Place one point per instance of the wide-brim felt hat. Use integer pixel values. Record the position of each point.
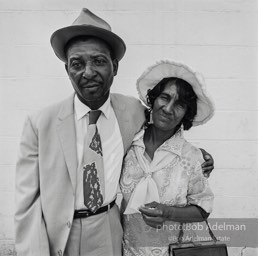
(168, 68)
(87, 24)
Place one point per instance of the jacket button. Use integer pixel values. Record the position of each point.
(69, 224)
(60, 252)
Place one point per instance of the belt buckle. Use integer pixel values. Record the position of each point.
(108, 207)
(85, 213)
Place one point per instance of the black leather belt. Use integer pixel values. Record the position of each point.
(87, 213)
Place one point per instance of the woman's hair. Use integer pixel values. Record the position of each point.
(186, 97)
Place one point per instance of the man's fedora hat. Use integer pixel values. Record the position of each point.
(87, 24)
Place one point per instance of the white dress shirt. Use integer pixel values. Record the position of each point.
(112, 147)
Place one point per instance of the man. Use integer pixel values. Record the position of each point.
(65, 199)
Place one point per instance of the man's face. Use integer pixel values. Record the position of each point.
(91, 69)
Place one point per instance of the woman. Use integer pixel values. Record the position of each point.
(162, 181)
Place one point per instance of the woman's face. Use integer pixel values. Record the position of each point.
(167, 110)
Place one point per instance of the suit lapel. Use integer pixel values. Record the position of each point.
(67, 135)
(123, 120)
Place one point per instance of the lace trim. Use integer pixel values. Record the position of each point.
(168, 170)
(128, 182)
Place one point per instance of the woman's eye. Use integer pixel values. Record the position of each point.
(181, 105)
(163, 97)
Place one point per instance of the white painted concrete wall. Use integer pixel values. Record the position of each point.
(216, 37)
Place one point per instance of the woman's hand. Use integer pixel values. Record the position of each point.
(153, 214)
(208, 165)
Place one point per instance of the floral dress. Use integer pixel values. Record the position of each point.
(173, 177)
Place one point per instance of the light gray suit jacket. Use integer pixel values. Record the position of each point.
(46, 173)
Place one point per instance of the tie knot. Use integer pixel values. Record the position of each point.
(94, 116)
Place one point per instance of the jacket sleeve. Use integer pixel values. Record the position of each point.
(30, 229)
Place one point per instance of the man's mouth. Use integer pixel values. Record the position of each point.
(90, 85)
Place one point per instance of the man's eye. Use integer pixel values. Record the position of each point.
(100, 61)
(76, 64)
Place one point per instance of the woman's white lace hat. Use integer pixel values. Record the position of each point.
(167, 68)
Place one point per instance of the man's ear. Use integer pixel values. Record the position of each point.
(66, 68)
(115, 66)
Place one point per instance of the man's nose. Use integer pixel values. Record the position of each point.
(88, 71)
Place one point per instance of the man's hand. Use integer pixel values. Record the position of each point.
(208, 165)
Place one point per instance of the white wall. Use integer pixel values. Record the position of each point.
(218, 38)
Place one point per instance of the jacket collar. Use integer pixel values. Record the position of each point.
(67, 133)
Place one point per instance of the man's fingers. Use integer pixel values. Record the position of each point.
(207, 163)
(207, 157)
(206, 175)
(207, 171)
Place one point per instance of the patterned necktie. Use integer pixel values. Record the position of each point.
(93, 170)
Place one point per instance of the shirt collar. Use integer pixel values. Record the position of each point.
(81, 109)
(173, 145)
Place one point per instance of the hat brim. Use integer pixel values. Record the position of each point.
(167, 68)
(60, 38)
